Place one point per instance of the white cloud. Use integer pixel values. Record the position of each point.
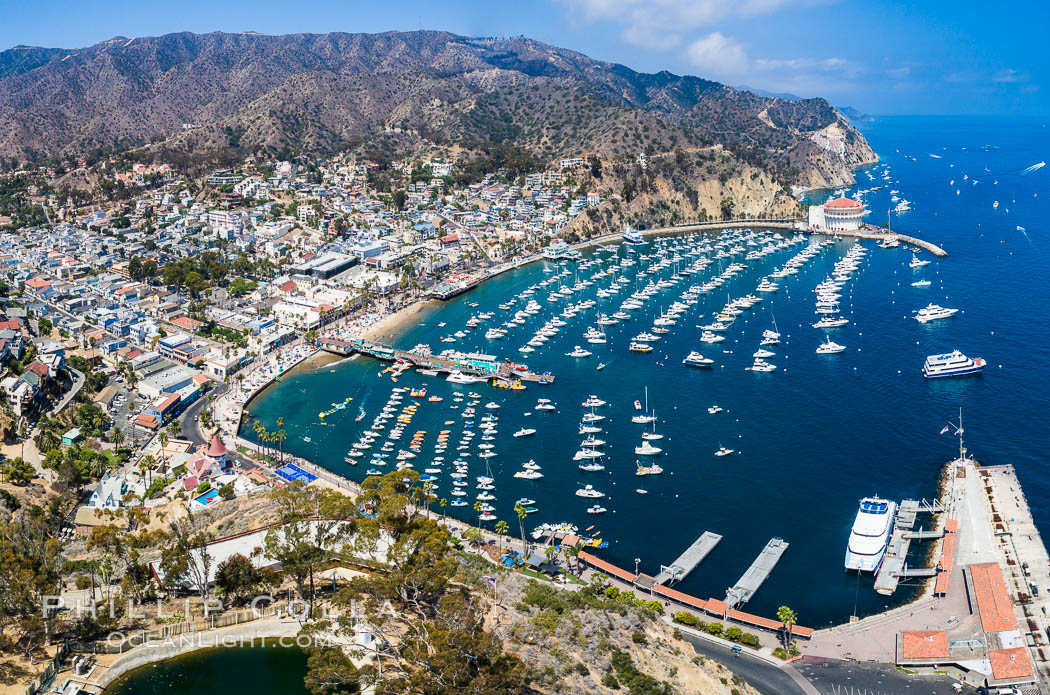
(662, 23)
(719, 56)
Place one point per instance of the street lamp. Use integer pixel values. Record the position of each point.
(636, 561)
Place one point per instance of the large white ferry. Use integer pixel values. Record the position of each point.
(632, 236)
(870, 534)
(953, 363)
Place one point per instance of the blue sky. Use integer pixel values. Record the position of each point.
(881, 56)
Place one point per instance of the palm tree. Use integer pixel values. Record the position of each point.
(519, 509)
(146, 464)
(175, 427)
(788, 617)
(281, 435)
(501, 529)
(47, 440)
(443, 502)
(477, 508)
(163, 439)
(117, 436)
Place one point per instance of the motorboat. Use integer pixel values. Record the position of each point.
(589, 491)
(579, 352)
(830, 348)
(525, 432)
(596, 509)
(722, 451)
(647, 449)
(640, 347)
(695, 359)
(762, 354)
(933, 312)
(715, 409)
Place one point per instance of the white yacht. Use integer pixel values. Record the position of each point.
(830, 322)
(578, 352)
(525, 432)
(830, 348)
(695, 359)
(921, 283)
(934, 312)
(589, 491)
(953, 363)
(916, 263)
(870, 534)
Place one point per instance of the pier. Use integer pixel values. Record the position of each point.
(895, 563)
(476, 365)
(757, 573)
(688, 560)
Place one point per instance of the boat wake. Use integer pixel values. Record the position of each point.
(1035, 167)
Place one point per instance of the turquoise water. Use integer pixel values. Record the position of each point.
(811, 438)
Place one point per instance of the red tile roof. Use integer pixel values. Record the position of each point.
(924, 645)
(606, 567)
(843, 204)
(675, 595)
(993, 602)
(716, 607)
(1008, 664)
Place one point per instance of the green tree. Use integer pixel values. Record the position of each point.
(236, 577)
(330, 672)
(18, 471)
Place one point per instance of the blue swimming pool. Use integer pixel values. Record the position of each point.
(208, 497)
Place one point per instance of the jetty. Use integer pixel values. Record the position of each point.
(505, 372)
(688, 560)
(894, 565)
(757, 573)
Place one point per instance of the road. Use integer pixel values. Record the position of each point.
(760, 675)
(78, 383)
(191, 430)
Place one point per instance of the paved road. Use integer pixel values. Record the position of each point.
(191, 430)
(78, 383)
(762, 676)
(837, 677)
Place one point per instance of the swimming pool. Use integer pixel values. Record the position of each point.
(207, 498)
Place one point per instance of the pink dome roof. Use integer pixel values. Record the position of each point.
(216, 449)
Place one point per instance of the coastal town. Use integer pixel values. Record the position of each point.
(422, 363)
(134, 334)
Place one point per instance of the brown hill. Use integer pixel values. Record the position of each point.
(319, 92)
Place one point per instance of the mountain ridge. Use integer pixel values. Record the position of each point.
(317, 92)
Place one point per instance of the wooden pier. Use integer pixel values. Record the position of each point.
(757, 573)
(895, 562)
(688, 560)
(488, 367)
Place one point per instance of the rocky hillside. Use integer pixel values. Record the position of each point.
(321, 92)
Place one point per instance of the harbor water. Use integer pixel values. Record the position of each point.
(811, 438)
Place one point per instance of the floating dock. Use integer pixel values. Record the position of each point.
(757, 573)
(687, 561)
(483, 366)
(895, 563)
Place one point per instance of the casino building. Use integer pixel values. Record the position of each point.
(844, 214)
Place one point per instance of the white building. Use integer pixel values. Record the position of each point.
(844, 214)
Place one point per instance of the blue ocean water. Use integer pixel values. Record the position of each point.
(811, 438)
